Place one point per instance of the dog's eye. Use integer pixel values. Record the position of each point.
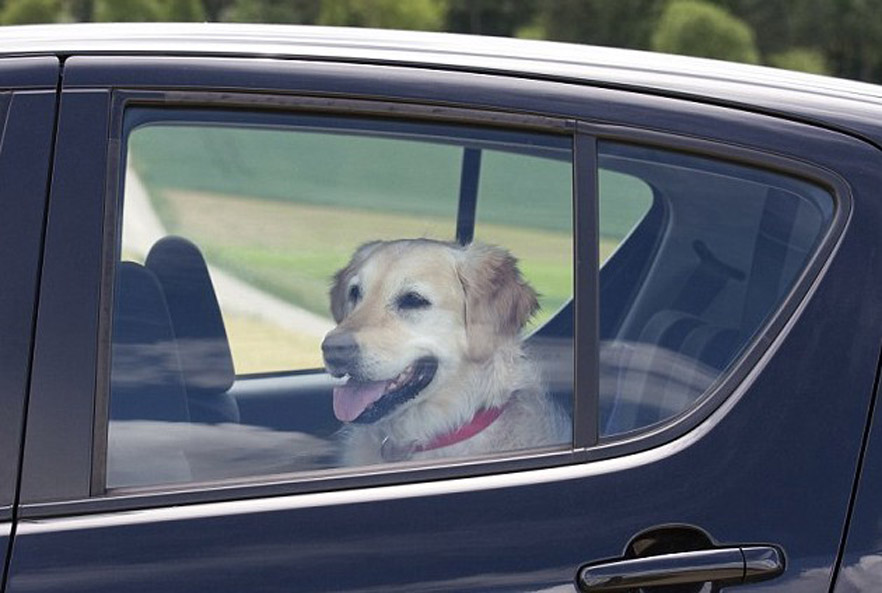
(412, 300)
(354, 294)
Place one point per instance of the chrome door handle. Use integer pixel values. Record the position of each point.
(732, 566)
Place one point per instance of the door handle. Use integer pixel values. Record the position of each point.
(731, 566)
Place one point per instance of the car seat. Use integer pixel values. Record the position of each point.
(147, 395)
(201, 337)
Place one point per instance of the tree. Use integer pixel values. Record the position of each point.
(617, 23)
(802, 59)
(128, 10)
(849, 32)
(22, 12)
(80, 10)
(147, 10)
(273, 11)
(489, 17)
(841, 37)
(698, 28)
(427, 15)
(181, 11)
(215, 10)
(774, 23)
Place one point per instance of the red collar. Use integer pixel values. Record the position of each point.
(481, 420)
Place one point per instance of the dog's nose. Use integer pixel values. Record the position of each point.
(340, 351)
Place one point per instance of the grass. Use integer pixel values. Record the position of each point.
(260, 347)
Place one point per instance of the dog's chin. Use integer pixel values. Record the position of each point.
(364, 402)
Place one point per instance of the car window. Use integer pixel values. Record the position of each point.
(717, 248)
(296, 293)
(623, 202)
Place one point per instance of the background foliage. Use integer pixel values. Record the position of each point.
(838, 37)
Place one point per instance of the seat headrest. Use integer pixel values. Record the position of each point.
(196, 317)
(145, 376)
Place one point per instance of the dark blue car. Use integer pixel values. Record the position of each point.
(704, 239)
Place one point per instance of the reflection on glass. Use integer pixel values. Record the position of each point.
(706, 251)
(235, 224)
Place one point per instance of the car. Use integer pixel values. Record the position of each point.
(704, 239)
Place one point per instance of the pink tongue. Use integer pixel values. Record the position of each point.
(350, 400)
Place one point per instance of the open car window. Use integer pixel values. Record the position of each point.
(409, 259)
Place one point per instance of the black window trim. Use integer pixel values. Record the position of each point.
(587, 447)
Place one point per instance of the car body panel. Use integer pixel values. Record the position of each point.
(66, 330)
(861, 565)
(748, 472)
(28, 116)
(27, 97)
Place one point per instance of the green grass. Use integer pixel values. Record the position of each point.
(260, 347)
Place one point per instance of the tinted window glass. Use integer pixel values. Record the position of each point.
(717, 248)
(624, 201)
(259, 249)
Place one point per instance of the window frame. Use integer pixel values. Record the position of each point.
(585, 432)
(587, 444)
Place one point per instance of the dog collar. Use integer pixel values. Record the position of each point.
(481, 420)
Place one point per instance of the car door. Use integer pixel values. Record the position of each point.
(859, 569)
(710, 326)
(27, 104)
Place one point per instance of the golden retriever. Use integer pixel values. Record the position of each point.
(428, 335)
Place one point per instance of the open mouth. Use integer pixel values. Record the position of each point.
(366, 402)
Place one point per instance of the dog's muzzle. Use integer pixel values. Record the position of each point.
(364, 400)
(340, 351)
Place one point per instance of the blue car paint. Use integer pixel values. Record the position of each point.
(774, 463)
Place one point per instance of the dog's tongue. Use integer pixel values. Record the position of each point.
(351, 399)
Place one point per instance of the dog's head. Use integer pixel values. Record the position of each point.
(410, 313)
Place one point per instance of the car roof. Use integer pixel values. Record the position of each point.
(849, 105)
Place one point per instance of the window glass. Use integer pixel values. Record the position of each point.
(290, 294)
(526, 204)
(716, 248)
(264, 205)
(624, 201)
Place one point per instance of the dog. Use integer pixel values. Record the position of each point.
(428, 336)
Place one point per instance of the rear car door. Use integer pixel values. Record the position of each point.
(27, 111)
(709, 318)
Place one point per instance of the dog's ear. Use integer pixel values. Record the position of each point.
(498, 301)
(341, 279)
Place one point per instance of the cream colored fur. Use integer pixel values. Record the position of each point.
(478, 305)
